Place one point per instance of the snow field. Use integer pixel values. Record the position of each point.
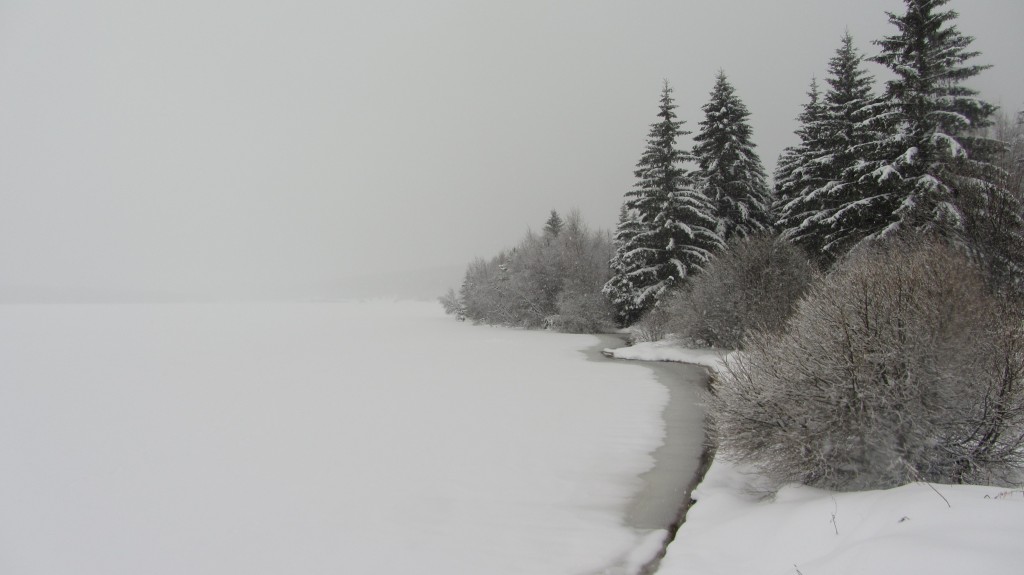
(312, 438)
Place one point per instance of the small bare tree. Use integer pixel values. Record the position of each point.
(897, 366)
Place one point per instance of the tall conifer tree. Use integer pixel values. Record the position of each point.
(731, 173)
(928, 120)
(553, 226)
(798, 175)
(837, 206)
(666, 228)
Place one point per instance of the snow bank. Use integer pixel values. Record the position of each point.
(737, 527)
(667, 350)
(313, 438)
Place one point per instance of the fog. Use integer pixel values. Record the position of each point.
(254, 149)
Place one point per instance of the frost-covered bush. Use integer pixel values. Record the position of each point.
(755, 283)
(897, 366)
(583, 312)
(452, 305)
(653, 326)
(552, 279)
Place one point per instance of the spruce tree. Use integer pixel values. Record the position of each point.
(798, 175)
(927, 122)
(731, 173)
(620, 289)
(553, 226)
(992, 206)
(666, 228)
(836, 206)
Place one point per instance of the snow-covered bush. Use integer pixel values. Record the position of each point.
(897, 366)
(452, 305)
(755, 283)
(583, 312)
(552, 279)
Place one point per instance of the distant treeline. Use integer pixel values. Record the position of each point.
(552, 279)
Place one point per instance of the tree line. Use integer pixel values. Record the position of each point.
(552, 279)
(925, 156)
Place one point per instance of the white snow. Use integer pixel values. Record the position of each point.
(313, 438)
(736, 526)
(669, 350)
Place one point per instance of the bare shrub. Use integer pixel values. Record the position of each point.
(653, 326)
(755, 283)
(897, 366)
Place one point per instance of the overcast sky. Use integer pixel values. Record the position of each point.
(256, 147)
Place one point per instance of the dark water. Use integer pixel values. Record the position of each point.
(666, 487)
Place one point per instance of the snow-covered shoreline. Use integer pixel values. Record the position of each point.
(684, 455)
(670, 351)
(665, 493)
(741, 523)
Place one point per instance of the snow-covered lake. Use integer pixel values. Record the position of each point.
(312, 438)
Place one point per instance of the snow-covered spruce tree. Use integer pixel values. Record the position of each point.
(553, 226)
(667, 228)
(898, 366)
(620, 288)
(731, 173)
(798, 175)
(926, 125)
(992, 206)
(838, 206)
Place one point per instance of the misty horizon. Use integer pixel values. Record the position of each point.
(255, 150)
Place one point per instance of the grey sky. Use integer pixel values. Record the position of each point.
(254, 147)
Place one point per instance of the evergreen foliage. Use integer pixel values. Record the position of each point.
(620, 288)
(554, 225)
(992, 206)
(797, 174)
(832, 206)
(666, 229)
(731, 173)
(848, 203)
(926, 123)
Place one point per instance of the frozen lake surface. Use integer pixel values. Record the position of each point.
(312, 438)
